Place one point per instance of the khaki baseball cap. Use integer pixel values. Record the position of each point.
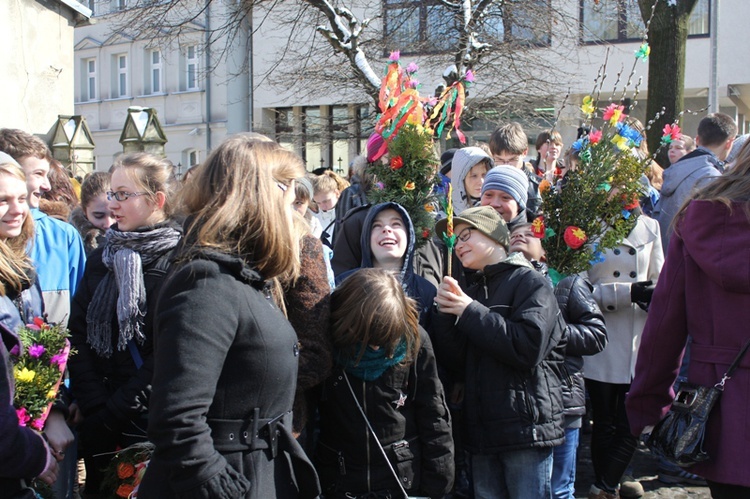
(483, 218)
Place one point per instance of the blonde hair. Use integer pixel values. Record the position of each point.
(236, 206)
(152, 174)
(371, 308)
(328, 182)
(15, 265)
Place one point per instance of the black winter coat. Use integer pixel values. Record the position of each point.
(505, 342)
(585, 334)
(224, 382)
(113, 388)
(406, 407)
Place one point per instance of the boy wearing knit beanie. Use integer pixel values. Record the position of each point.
(506, 189)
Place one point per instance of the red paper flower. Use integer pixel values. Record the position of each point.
(634, 203)
(538, 227)
(124, 490)
(125, 470)
(397, 163)
(425, 233)
(574, 237)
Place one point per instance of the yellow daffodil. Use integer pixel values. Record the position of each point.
(588, 106)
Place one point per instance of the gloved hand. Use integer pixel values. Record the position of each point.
(641, 292)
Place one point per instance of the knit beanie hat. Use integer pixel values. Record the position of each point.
(446, 161)
(508, 179)
(376, 147)
(483, 218)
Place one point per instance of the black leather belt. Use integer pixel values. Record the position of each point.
(238, 435)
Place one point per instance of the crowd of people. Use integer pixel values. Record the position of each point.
(274, 334)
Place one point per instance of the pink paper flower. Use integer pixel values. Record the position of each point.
(395, 56)
(470, 76)
(595, 136)
(58, 359)
(38, 424)
(412, 67)
(413, 83)
(36, 351)
(23, 416)
(613, 113)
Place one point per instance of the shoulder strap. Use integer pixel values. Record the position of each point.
(374, 436)
(733, 367)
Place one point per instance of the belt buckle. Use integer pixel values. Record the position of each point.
(273, 437)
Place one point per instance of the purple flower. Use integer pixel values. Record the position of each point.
(36, 351)
(412, 67)
(380, 186)
(58, 359)
(395, 56)
(15, 350)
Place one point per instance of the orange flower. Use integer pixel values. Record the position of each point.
(544, 186)
(124, 490)
(397, 163)
(574, 237)
(409, 186)
(125, 470)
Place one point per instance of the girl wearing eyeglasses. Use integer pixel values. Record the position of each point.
(112, 311)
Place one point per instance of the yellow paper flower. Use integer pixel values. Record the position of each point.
(588, 105)
(409, 186)
(51, 394)
(25, 375)
(620, 142)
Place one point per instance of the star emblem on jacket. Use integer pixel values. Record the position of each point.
(401, 401)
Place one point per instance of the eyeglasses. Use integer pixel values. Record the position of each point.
(465, 234)
(123, 195)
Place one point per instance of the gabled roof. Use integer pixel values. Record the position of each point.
(88, 43)
(77, 7)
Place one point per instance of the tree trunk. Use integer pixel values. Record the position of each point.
(666, 66)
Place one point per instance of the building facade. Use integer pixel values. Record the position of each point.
(38, 81)
(327, 126)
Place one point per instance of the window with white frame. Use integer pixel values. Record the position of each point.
(155, 72)
(121, 76)
(193, 157)
(89, 89)
(191, 67)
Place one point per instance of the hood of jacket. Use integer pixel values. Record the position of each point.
(407, 267)
(717, 239)
(459, 196)
(686, 166)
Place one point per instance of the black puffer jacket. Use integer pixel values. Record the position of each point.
(348, 459)
(505, 341)
(585, 334)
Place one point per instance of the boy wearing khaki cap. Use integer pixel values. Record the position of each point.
(500, 333)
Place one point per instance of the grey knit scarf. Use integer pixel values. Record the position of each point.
(123, 289)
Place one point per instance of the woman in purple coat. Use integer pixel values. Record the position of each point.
(704, 293)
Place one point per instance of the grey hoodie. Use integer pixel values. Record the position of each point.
(693, 171)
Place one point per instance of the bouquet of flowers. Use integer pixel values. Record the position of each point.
(38, 370)
(126, 469)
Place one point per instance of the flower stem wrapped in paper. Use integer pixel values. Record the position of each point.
(39, 365)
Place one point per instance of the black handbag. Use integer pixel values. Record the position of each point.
(679, 436)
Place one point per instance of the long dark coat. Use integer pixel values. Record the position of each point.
(225, 357)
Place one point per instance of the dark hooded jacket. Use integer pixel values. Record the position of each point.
(407, 410)
(506, 344)
(414, 286)
(704, 292)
